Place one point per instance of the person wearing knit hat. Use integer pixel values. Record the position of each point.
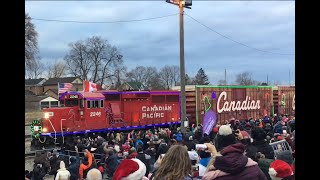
(62, 173)
(130, 169)
(280, 170)
(225, 137)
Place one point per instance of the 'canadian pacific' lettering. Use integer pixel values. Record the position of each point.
(236, 105)
(152, 111)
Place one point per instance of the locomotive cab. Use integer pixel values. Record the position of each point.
(79, 111)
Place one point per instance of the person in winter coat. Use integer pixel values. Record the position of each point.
(85, 166)
(38, 172)
(54, 162)
(74, 167)
(175, 165)
(62, 173)
(162, 149)
(41, 158)
(144, 158)
(230, 163)
(111, 162)
(259, 141)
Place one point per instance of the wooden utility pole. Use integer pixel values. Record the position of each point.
(182, 70)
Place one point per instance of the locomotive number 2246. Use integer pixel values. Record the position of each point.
(95, 114)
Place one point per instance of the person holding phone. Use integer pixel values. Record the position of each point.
(230, 162)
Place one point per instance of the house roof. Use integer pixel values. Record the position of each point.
(33, 81)
(28, 93)
(137, 86)
(52, 90)
(34, 98)
(55, 81)
(48, 99)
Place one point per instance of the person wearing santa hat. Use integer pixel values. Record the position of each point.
(280, 170)
(130, 169)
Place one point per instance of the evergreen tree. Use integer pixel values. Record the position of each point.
(201, 78)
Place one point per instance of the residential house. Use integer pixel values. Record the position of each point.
(51, 85)
(133, 86)
(35, 86)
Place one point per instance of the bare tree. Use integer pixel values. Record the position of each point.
(222, 82)
(93, 59)
(175, 74)
(137, 74)
(244, 78)
(56, 69)
(34, 69)
(166, 76)
(30, 41)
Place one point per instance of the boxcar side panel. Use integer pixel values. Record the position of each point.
(228, 102)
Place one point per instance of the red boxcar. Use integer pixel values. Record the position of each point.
(239, 102)
(284, 100)
(111, 110)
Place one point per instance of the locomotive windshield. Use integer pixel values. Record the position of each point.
(71, 102)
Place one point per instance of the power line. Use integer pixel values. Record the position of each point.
(235, 40)
(121, 21)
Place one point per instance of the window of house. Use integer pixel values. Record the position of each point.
(54, 103)
(45, 104)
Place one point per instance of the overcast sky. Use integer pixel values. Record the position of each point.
(267, 26)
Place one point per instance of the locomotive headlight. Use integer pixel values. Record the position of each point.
(46, 115)
(44, 130)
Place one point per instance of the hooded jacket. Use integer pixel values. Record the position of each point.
(234, 165)
(74, 167)
(63, 173)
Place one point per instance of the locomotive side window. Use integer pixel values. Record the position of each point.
(81, 103)
(95, 104)
(172, 98)
(158, 99)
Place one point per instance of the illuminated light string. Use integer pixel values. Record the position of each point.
(283, 101)
(204, 103)
(36, 123)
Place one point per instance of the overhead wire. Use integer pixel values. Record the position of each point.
(235, 40)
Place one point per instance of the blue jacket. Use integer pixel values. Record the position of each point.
(138, 142)
(74, 167)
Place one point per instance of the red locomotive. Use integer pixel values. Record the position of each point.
(101, 111)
